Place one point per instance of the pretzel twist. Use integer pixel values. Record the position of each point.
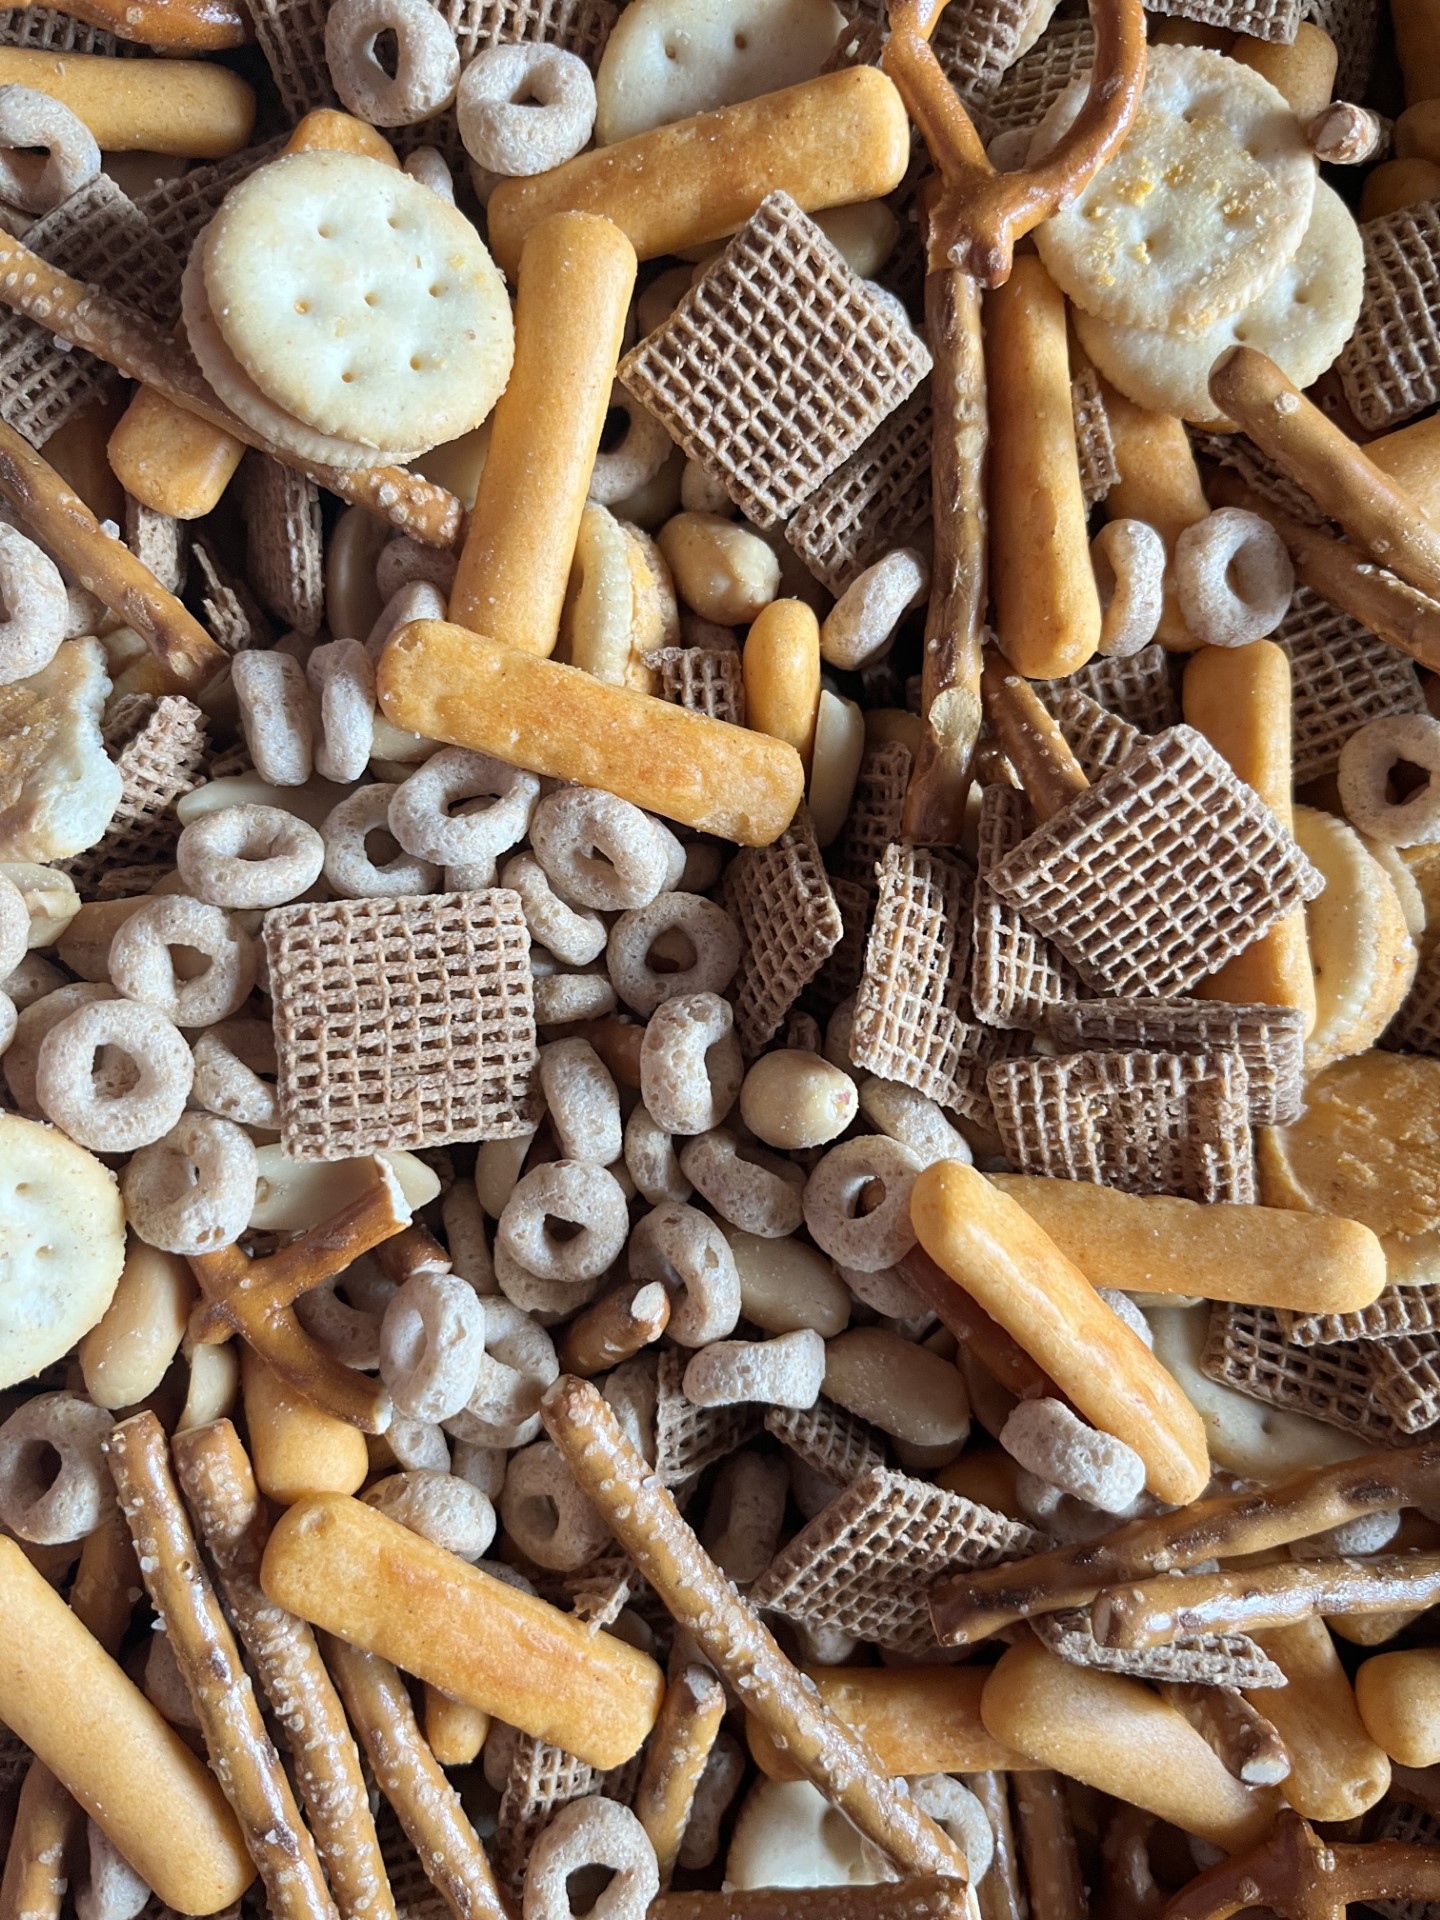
(1302, 1877)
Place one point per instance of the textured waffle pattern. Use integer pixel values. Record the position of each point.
(835, 1443)
(1247, 1350)
(1159, 873)
(1341, 676)
(776, 367)
(1098, 738)
(541, 1779)
(1142, 1122)
(1209, 1660)
(1416, 1027)
(1406, 1376)
(1139, 688)
(1390, 366)
(704, 679)
(1270, 1041)
(866, 1563)
(1399, 1310)
(1264, 19)
(401, 1022)
(878, 500)
(158, 542)
(58, 33)
(1015, 976)
(283, 546)
(233, 615)
(164, 759)
(876, 810)
(291, 34)
(1399, 1820)
(416, 1898)
(578, 26)
(1351, 24)
(178, 209)
(1094, 442)
(841, 973)
(976, 41)
(598, 1593)
(780, 899)
(1063, 53)
(690, 1438)
(1260, 474)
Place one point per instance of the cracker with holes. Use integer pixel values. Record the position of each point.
(1201, 208)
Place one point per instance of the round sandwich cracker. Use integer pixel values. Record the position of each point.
(1201, 208)
(1302, 320)
(359, 300)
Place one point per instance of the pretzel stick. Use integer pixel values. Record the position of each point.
(1244, 1739)
(1344, 135)
(690, 1717)
(1177, 1607)
(618, 1325)
(220, 1491)
(1132, 1892)
(647, 1523)
(1302, 1877)
(999, 1892)
(198, 26)
(921, 1899)
(414, 1249)
(425, 1803)
(1047, 1845)
(1031, 739)
(142, 350)
(995, 1349)
(241, 1754)
(973, 1605)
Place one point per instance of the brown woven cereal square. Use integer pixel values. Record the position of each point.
(1405, 1375)
(1390, 366)
(1015, 976)
(1138, 688)
(1399, 1819)
(1247, 1350)
(178, 209)
(1398, 1310)
(777, 364)
(1263, 19)
(781, 900)
(1098, 738)
(689, 1438)
(835, 1442)
(1140, 1122)
(1065, 52)
(401, 1022)
(1208, 1660)
(541, 1779)
(56, 32)
(876, 811)
(840, 975)
(576, 26)
(414, 1894)
(976, 41)
(291, 34)
(163, 759)
(1270, 1041)
(600, 1591)
(1264, 479)
(1341, 676)
(860, 44)
(284, 552)
(1093, 440)
(1352, 25)
(230, 610)
(879, 499)
(158, 541)
(1416, 1028)
(1160, 872)
(866, 1563)
(704, 679)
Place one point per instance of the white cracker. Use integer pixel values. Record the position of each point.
(58, 785)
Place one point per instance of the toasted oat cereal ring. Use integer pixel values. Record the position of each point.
(651, 1160)
(686, 1252)
(347, 1323)
(599, 851)
(519, 1363)
(48, 1505)
(1129, 561)
(38, 1019)
(1233, 578)
(249, 857)
(348, 864)
(112, 1890)
(700, 924)
(441, 1507)
(29, 120)
(636, 458)
(427, 61)
(691, 1067)
(421, 821)
(569, 1194)
(33, 597)
(9, 1020)
(66, 1088)
(523, 109)
(535, 1293)
(582, 1101)
(275, 715)
(844, 1182)
(235, 1069)
(404, 562)
(573, 934)
(432, 1339)
(1367, 760)
(194, 1190)
(754, 1189)
(591, 1833)
(862, 622)
(546, 1514)
(785, 1372)
(141, 966)
(1054, 1444)
(341, 676)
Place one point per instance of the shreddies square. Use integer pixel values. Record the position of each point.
(1341, 676)
(1208, 1660)
(782, 902)
(879, 499)
(1016, 977)
(1390, 368)
(402, 1022)
(1270, 1041)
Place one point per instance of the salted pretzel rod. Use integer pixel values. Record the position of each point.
(647, 1523)
(414, 1249)
(241, 1754)
(918, 1899)
(999, 1893)
(1130, 1884)
(220, 1490)
(1047, 1846)
(616, 1326)
(176, 26)
(425, 1803)
(690, 1716)
(1244, 1739)
(1031, 739)
(996, 1350)
(1294, 1873)
(1181, 1607)
(972, 1606)
(142, 350)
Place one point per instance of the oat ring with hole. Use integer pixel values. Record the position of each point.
(66, 1089)
(1367, 760)
(46, 1507)
(427, 61)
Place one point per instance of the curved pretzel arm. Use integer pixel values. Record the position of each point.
(1305, 1878)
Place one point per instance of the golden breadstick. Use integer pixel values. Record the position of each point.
(197, 26)
(1417, 42)
(1411, 455)
(689, 1720)
(1398, 183)
(914, 1719)
(1158, 483)
(827, 143)
(1178, 1607)
(1244, 1739)
(1047, 1846)
(1031, 739)
(1417, 132)
(296, 1448)
(76, 450)
(991, 1247)
(330, 131)
(454, 1732)
(971, 1606)
(1398, 1695)
(575, 279)
(918, 1899)
(1113, 1733)
(185, 107)
(366, 1579)
(1336, 1769)
(65, 526)
(426, 1804)
(1047, 606)
(231, 1518)
(244, 1761)
(66, 1698)
(1302, 69)
(452, 685)
(617, 1325)
(1160, 1243)
(781, 666)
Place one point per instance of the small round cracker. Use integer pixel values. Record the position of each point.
(1302, 320)
(359, 301)
(1200, 209)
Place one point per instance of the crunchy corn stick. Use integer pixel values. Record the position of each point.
(193, 108)
(914, 1719)
(1336, 1770)
(690, 1717)
(1176, 1608)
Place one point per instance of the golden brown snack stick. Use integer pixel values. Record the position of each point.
(1417, 133)
(1336, 1770)
(689, 1720)
(197, 26)
(630, 1316)
(454, 1732)
(1244, 1739)
(220, 1490)
(1398, 1695)
(1245, 1601)
(453, 685)
(991, 1248)
(781, 666)
(1302, 69)
(187, 107)
(1047, 606)
(914, 1719)
(1398, 183)
(425, 1803)
(1030, 739)
(295, 1447)
(644, 1518)
(366, 1579)
(575, 278)
(1417, 43)
(1297, 1874)
(999, 1894)
(917, 1899)
(66, 1698)
(1411, 454)
(1047, 1846)
(1158, 483)
(827, 142)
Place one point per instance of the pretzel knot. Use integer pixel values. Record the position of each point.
(977, 214)
(1303, 1877)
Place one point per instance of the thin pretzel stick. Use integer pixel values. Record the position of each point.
(1130, 1885)
(1031, 739)
(974, 1605)
(1303, 1877)
(1047, 1845)
(1344, 135)
(142, 350)
(241, 1754)
(413, 1250)
(1244, 1739)
(690, 1716)
(425, 1803)
(996, 1350)
(999, 1892)
(928, 1899)
(63, 523)
(1179, 1608)
(220, 1491)
(618, 1325)
(647, 1523)
(198, 26)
